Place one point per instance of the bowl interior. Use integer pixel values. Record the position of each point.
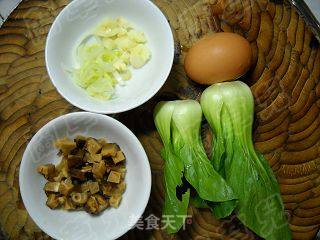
(79, 17)
(61, 224)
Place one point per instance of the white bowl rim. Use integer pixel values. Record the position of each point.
(137, 104)
(52, 122)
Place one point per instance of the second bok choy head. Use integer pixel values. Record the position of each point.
(229, 109)
(179, 123)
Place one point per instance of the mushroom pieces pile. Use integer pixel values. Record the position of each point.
(90, 175)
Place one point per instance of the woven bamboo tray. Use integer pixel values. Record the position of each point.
(284, 81)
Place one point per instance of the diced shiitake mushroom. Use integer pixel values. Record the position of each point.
(75, 160)
(90, 186)
(109, 167)
(78, 174)
(47, 170)
(118, 157)
(60, 177)
(65, 145)
(85, 177)
(103, 203)
(77, 187)
(66, 203)
(96, 204)
(92, 205)
(86, 158)
(80, 141)
(92, 158)
(79, 199)
(102, 141)
(107, 189)
(62, 200)
(63, 164)
(86, 169)
(120, 188)
(109, 150)
(99, 169)
(85, 186)
(52, 201)
(62, 169)
(120, 169)
(93, 187)
(115, 200)
(92, 146)
(114, 177)
(52, 187)
(66, 187)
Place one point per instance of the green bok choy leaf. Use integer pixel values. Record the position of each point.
(178, 123)
(173, 169)
(229, 109)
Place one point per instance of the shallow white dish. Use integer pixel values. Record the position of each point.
(60, 224)
(81, 16)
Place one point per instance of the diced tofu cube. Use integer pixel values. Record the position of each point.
(118, 157)
(114, 177)
(93, 146)
(109, 150)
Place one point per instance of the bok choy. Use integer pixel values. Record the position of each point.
(178, 123)
(229, 109)
(173, 169)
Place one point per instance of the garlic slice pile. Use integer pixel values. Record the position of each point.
(106, 56)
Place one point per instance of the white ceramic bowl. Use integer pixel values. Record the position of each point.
(79, 225)
(79, 17)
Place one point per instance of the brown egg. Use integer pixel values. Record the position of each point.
(217, 58)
